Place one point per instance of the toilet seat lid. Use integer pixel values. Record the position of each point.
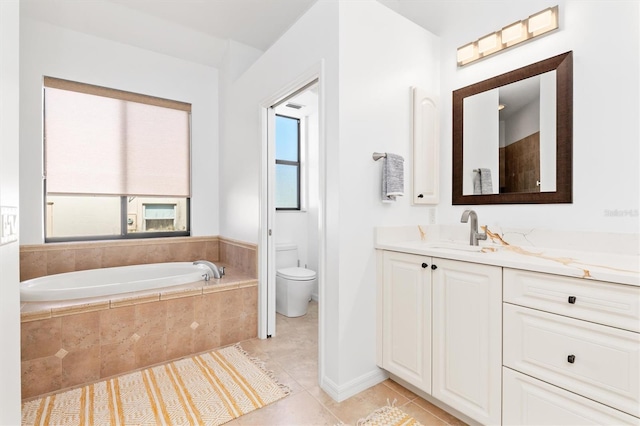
(299, 274)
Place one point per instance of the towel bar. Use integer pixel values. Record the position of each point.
(378, 155)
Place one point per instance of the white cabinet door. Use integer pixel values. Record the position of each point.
(406, 328)
(528, 401)
(467, 338)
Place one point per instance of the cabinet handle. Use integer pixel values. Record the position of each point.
(434, 267)
(420, 196)
(572, 299)
(424, 265)
(571, 359)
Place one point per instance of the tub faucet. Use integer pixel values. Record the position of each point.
(215, 272)
(474, 235)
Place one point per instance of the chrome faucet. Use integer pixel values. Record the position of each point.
(474, 235)
(215, 272)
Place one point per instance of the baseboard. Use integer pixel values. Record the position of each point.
(341, 392)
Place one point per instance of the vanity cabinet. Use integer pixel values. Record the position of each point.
(467, 338)
(406, 329)
(441, 330)
(571, 350)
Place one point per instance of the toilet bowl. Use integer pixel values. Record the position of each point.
(294, 285)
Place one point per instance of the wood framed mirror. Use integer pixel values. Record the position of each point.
(514, 132)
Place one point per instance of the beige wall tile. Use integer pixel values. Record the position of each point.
(59, 311)
(179, 343)
(196, 250)
(33, 264)
(212, 251)
(180, 314)
(81, 331)
(117, 325)
(41, 375)
(119, 301)
(88, 258)
(151, 318)
(81, 366)
(207, 308)
(230, 304)
(60, 261)
(159, 253)
(124, 255)
(230, 331)
(40, 338)
(117, 358)
(206, 337)
(151, 349)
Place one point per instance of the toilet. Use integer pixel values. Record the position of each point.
(293, 284)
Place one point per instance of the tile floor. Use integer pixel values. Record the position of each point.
(293, 357)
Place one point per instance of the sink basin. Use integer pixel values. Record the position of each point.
(450, 245)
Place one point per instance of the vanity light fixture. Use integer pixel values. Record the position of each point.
(511, 35)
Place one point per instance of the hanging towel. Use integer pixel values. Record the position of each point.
(482, 182)
(392, 177)
(477, 183)
(485, 179)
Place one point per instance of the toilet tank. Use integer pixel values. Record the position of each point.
(286, 256)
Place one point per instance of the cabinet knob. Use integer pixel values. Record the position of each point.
(424, 265)
(571, 359)
(420, 196)
(572, 299)
(434, 267)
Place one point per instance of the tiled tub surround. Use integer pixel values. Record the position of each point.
(70, 343)
(47, 259)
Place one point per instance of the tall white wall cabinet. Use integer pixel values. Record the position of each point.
(425, 147)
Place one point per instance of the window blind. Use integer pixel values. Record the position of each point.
(101, 141)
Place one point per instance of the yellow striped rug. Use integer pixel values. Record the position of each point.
(388, 416)
(206, 389)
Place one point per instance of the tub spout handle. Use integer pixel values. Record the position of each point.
(213, 272)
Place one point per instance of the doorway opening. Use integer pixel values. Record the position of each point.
(292, 211)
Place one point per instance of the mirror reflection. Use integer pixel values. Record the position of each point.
(510, 138)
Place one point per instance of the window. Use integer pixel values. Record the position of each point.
(117, 164)
(287, 188)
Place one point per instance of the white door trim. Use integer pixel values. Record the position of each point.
(266, 249)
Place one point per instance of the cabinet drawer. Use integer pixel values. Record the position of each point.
(605, 364)
(527, 401)
(616, 305)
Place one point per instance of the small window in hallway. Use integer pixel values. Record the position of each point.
(117, 164)
(287, 188)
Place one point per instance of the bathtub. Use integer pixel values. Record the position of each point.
(110, 281)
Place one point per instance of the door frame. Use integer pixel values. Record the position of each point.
(266, 248)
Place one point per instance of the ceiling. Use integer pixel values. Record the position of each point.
(199, 30)
(196, 30)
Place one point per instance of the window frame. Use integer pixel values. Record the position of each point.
(297, 163)
(128, 96)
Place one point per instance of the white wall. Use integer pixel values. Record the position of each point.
(605, 116)
(381, 57)
(310, 47)
(379, 60)
(548, 132)
(9, 252)
(481, 135)
(53, 51)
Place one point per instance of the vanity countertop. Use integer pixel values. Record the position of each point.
(607, 265)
